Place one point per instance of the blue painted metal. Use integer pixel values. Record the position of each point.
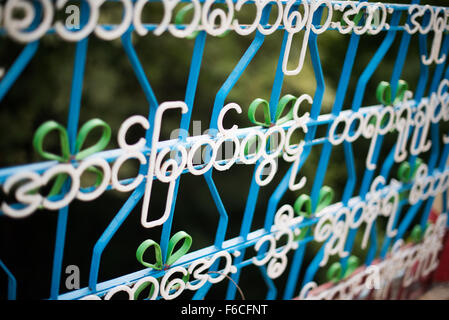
(247, 236)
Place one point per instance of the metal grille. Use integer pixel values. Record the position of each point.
(395, 24)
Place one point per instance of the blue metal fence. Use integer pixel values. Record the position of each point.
(299, 271)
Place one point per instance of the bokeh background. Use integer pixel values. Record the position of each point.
(111, 92)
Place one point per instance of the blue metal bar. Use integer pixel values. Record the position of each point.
(12, 282)
(360, 91)
(218, 104)
(17, 68)
(315, 111)
(185, 120)
(139, 191)
(72, 129)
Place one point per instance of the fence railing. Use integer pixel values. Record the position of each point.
(405, 159)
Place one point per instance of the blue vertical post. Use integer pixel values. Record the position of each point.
(72, 129)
